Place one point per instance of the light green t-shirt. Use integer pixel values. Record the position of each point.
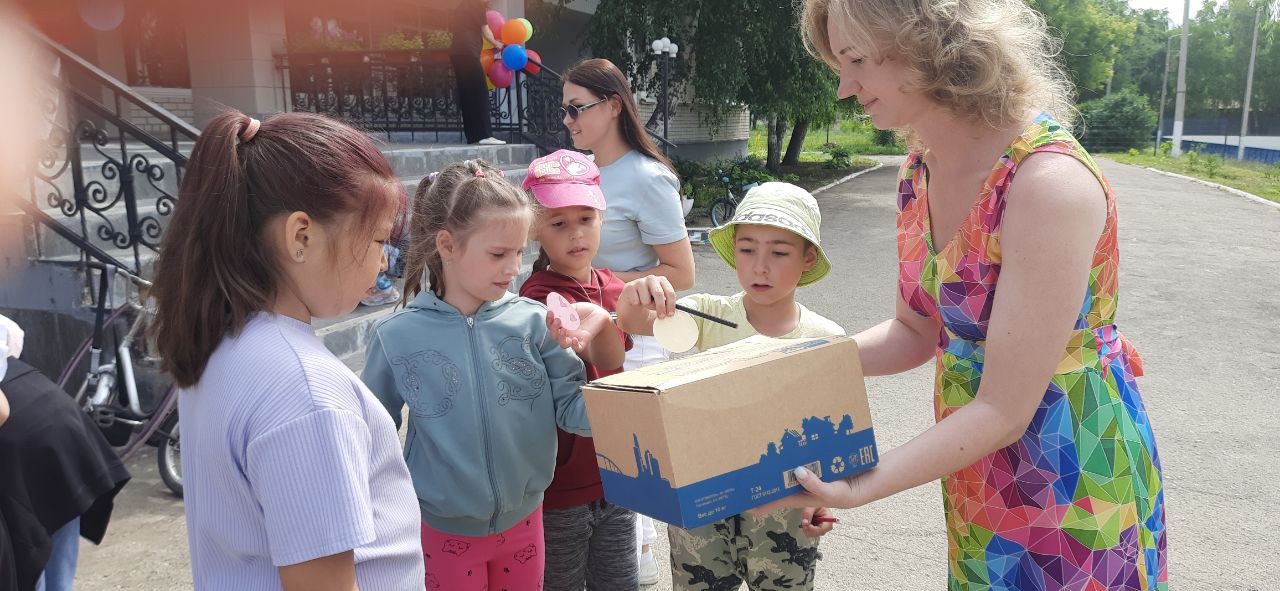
(713, 334)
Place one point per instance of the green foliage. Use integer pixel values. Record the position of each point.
(1133, 151)
(1272, 172)
(733, 53)
(401, 41)
(703, 179)
(1212, 165)
(841, 157)
(1092, 33)
(1140, 63)
(1118, 121)
(1166, 148)
(1193, 160)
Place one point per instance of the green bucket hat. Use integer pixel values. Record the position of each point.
(781, 205)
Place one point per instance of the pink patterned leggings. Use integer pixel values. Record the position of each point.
(509, 561)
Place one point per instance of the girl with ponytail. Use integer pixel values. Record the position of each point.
(294, 475)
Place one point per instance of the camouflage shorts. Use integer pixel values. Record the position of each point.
(768, 553)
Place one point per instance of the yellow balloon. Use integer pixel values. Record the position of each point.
(528, 28)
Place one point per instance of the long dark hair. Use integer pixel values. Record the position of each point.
(605, 80)
(452, 200)
(215, 266)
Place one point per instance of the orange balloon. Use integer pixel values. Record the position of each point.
(513, 32)
(486, 60)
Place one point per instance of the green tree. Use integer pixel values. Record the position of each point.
(1092, 33)
(1140, 63)
(735, 53)
(1116, 122)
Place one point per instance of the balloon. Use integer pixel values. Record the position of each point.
(486, 60)
(500, 74)
(513, 33)
(531, 67)
(528, 28)
(488, 83)
(485, 45)
(514, 57)
(495, 21)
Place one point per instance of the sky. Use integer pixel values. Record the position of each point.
(1173, 6)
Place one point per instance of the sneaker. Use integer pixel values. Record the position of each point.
(648, 569)
(378, 297)
(491, 141)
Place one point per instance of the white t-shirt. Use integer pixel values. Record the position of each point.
(643, 209)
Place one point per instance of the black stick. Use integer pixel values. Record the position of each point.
(700, 314)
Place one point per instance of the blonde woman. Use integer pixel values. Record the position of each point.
(1047, 458)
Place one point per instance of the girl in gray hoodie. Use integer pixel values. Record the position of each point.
(487, 379)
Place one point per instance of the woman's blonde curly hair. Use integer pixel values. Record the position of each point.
(992, 59)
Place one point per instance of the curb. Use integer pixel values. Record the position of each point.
(845, 179)
(1233, 191)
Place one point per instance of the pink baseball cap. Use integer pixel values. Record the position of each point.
(564, 178)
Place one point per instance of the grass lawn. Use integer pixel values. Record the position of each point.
(857, 136)
(1259, 179)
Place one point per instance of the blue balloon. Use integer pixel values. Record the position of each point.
(515, 57)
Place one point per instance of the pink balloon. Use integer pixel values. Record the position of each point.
(495, 20)
(500, 74)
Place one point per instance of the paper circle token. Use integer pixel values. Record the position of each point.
(677, 333)
(562, 309)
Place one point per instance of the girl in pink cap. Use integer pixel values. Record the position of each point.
(589, 541)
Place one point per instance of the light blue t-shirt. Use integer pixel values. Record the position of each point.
(286, 458)
(643, 209)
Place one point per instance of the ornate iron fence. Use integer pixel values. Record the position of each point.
(414, 91)
(103, 185)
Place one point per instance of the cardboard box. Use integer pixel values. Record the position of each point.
(708, 436)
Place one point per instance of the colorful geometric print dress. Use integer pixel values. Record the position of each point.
(1077, 503)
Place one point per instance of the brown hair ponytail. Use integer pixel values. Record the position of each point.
(215, 267)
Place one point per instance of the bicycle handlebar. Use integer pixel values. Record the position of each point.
(134, 279)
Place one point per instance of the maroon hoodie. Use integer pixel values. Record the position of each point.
(577, 479)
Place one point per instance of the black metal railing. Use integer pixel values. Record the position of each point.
(103, 184)
(414, 92)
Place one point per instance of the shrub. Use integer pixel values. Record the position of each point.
(1119, 121)
(1166, 148)
(886, 137)
(1193, 160)
(840, 157)
(1133, 151)
(1212, 165)
(1272, 172)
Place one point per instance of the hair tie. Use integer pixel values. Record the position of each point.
(479, 172)
(431, 178)
(250, 130)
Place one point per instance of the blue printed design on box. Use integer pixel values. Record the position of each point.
(829, 450)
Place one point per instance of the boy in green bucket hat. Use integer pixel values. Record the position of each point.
(773, 242)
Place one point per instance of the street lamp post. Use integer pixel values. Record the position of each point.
(668, 50)
(1164, 84)
(1248, 87)
(1180, 104)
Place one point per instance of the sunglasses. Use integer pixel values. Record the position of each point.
(574, 111)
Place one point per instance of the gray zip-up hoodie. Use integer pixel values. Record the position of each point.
(485, 394)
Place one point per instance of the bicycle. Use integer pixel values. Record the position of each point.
(722, 209)
(109, 390)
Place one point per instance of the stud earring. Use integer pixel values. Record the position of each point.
(299, 255)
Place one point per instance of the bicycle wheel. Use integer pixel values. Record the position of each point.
(169, 456)
(721, 211)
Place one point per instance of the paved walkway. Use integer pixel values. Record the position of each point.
(1200, 280)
